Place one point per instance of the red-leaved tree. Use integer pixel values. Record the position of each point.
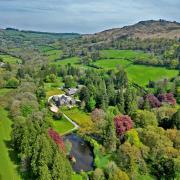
(168, 98)
(57, 139)
(123, 123)
(153, 101)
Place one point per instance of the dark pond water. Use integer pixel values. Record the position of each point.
(82, 152)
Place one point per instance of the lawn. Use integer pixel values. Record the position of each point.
(8, 168)
(140, 74)
(53, 88)
(82, 118)
(10, 59)
(62, 126)
(54, 91)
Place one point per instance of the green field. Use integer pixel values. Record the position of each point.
(8, 168)
(72, 60)
(62, 126)
(122, 54)
(53, 54)
(44, 49)
(140, 74)
(10, 59)
(112, 63)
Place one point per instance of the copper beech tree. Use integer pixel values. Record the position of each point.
(122, 123)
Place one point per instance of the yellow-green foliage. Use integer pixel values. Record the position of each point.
(101, 160)
(133, 138)
(10, 59)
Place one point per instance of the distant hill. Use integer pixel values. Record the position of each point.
(17, 32)
(144, 30)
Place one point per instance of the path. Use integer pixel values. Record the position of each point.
(76, 127)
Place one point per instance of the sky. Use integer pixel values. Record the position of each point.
(83, 16)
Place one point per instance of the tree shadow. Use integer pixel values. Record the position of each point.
(13, 155)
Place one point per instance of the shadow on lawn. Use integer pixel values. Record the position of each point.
(14, 158)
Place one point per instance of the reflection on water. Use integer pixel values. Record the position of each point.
(82, 152)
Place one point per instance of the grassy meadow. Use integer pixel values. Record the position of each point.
(139, 74)
(10, 59)
(72, 60)
(123, 54)
(8, 167)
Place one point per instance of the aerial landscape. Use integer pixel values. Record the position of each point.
(89, 92)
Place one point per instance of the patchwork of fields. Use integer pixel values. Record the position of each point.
(139, 74)
(110, 59)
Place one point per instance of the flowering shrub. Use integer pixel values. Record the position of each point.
(122, 123)
(57, 139)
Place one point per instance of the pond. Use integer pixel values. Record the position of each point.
(82, 152)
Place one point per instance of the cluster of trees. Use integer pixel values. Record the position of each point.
(41, 150)
(140, 148)
(141, 138)
(152, 101)
(166, 49)
(101, 89)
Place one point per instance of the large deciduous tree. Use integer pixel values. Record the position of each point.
(122, 123)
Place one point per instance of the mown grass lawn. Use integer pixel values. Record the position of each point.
(8, 168)
(62, 126)
(140, 74)
(82, 118)
(54, 91)
(53, 88)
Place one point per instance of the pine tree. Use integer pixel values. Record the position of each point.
(130, 101)
(120, 101)
(110, 134)
(61, 168)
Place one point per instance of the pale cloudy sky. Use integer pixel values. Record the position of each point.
(83, 16)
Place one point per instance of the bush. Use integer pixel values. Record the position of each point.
(12, 83)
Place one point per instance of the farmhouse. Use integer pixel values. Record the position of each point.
(63, 100)
(71, 91)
